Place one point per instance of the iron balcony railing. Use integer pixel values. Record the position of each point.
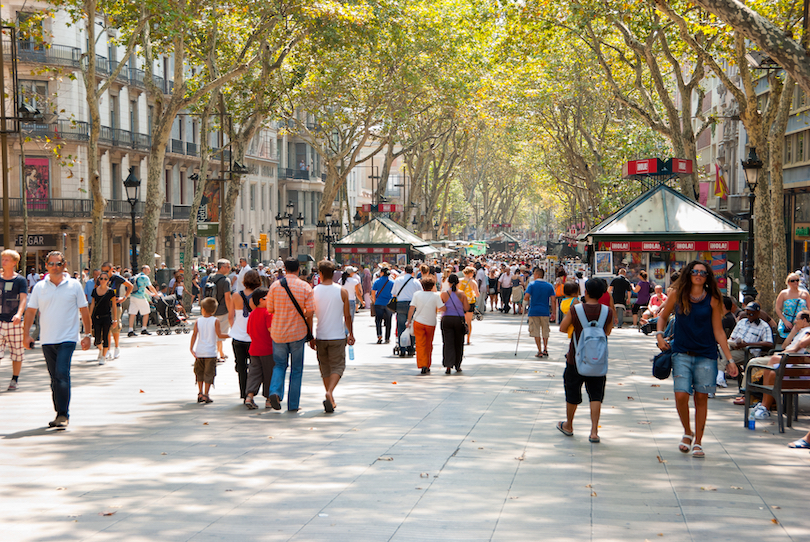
(39, 53)
(191, 149)
(124, 138)
(83, 208)
(62, 129)
(181, 212)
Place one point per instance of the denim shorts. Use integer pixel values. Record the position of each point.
(694, 373)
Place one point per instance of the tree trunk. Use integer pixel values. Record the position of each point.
(776, 141)
(226, 225)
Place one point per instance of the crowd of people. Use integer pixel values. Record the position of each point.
(272, 314)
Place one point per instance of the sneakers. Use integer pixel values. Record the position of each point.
(60, 421)
(102, 361)
(145, 332)
(760, 412)
(721, 382)
(131, 334)
(12, 386)
(109, 355)
(100, 357)
(117, 353)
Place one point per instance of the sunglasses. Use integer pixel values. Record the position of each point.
(55, 264)
(103, 279)
(793, 280)
(699, 273)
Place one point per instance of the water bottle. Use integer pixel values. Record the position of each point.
(351, 352)
(752, 421)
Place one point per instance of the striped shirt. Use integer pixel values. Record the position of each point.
(287, 325)
(752, 332)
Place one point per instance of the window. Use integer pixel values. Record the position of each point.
(113, 112)
(262, 201)
(800, 147)
(168, 185)
(149, 116)
(182, 188)
(34, 94)
(242, 200)
(116, 181)
(133, 116)
(252, 197)
(788, 149)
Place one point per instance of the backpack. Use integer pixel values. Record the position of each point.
(211, 288)
(591, 350)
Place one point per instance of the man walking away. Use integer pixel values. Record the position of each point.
(219, 287)
(290, 302)
(13, 294)
(481, 280)
(333, 313)
(505, 287)
(542, 309)
(404, 287)
(620, 289)
(59, 300)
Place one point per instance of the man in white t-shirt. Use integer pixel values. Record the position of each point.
(60, 300)
(240, 279)
(483, 286)
(332, 330)
(33, 278)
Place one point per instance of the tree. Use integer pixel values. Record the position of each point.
(776, 42)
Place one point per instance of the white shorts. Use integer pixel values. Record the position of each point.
(138, 306)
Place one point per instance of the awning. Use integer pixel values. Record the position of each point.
(428, 250)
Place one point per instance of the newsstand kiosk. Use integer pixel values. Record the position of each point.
(661, 231)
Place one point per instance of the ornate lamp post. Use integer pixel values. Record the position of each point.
(288, 225)
(132, 184)
(328, 232)
(751, 169)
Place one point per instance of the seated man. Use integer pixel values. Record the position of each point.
(797, 343)
(656, 302)
(753, 331)
(762, 314)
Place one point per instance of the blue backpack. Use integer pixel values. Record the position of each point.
(591, 350)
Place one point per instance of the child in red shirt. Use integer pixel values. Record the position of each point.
(260, 370)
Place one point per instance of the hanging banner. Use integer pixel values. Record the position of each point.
(37, 182)
(209, 206)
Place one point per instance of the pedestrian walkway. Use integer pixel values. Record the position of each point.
(470, 456)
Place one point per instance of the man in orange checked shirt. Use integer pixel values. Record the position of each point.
(290, 330)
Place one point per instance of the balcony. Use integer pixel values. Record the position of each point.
(124, 138)
(63, 129)
(191, 149)
(82, 208)
(136, 77)
(38, 53)
(177, 147)
(181, 212)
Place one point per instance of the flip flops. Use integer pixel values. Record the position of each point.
(327, 406)
(801, 443)
(564, 431)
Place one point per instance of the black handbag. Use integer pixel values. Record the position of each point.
(393, 303)
(662, 365)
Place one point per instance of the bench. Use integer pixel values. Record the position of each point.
(790, 382)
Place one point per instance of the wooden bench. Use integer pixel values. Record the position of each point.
(792, 378)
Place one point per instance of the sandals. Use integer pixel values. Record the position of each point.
(545, 353)
(685, 448)
(207, 399)
(697, 451)
(250, 405)
(563, 430)
(200, 398)
(801, 443)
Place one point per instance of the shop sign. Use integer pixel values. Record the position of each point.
(48, 240)
(803, 231)
(669, 246)
(368, 250)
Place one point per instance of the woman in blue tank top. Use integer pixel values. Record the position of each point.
(698, 307)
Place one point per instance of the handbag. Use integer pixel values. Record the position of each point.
(309, 336)
(662, 365)
(463, 319)
(393, 303)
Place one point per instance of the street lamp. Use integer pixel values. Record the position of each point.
(751, 169)
(328, 232)
(131, 185)
(288, 224)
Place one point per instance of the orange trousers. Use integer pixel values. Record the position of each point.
(424, 343)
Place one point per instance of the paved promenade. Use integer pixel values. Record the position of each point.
(471, 456)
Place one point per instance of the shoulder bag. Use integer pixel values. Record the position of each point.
(309, 336)
(662, 364)
(393, 303)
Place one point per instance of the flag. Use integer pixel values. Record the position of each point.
(720, 188)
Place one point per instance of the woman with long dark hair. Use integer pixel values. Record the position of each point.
(453, 328)
(698, 330)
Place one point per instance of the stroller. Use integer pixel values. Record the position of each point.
(166, 308)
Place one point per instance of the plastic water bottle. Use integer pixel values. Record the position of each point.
(351, 352)
(752, 421)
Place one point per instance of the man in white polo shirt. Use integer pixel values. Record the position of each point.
(59, 300)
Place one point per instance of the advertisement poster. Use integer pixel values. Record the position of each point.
(209, 206)
(658, 272)
(718, 262)
(37, 182)
(604, 263)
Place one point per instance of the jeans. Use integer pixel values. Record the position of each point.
(402, 317)
(281, 352)
(620, 310)
(57, 358)
(382, 315)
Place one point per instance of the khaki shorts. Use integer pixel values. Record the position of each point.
(224, 326)
(331, 357)
(138, 305)
(205, 369)
(538, 327)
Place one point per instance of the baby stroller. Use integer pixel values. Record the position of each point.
(166, 308)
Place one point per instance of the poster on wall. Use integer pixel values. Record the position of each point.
(604, 263)
(718, 262)
(37, 182)
(658, 272)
